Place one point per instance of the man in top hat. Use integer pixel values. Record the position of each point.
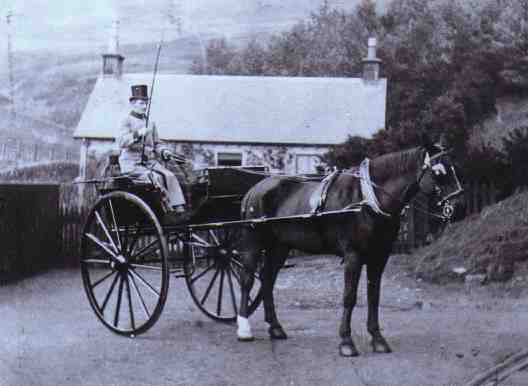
(140, 150)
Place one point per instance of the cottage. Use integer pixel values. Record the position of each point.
(284, 123)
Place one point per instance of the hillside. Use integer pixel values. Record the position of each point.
(493, 243)
(52, 84)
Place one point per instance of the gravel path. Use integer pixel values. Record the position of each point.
(440, 336)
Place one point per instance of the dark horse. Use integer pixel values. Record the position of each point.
(362, 238)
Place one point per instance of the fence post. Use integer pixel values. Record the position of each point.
(411, 229)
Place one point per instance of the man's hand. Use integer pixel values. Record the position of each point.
(167, 155)
(143, 131)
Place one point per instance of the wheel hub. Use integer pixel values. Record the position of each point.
(119, 264)
(224, 257)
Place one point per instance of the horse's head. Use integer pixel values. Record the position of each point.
(438, 176)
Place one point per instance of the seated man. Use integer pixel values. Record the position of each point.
(140, 149)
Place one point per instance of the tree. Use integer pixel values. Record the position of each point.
(350, 153)
(219, 55)
(516, 150)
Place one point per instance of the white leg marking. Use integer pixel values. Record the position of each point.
(244, 328)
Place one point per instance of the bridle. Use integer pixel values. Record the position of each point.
(438, 169)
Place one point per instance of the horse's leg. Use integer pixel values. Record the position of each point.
(246, 283)
(352, 275)
(374, 273)
(274, 260)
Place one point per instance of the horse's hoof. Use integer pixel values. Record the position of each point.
(277, 333)
(380, 346)
(246, 338)
(348, 349)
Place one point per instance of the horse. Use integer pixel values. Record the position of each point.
(361, 238)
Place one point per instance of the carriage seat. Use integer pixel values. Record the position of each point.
(194, 189)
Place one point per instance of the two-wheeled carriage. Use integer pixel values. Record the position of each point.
(128, 255)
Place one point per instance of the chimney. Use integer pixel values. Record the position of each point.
(113, 60)
(371, 64)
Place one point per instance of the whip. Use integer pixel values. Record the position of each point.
(143, 156)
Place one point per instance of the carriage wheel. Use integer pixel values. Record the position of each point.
(124, 263)
(212, 273)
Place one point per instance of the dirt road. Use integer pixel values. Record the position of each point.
(440, 335)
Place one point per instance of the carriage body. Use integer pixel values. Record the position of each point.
(128, 255)
(214, 196)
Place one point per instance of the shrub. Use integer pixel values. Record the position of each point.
(516, 156)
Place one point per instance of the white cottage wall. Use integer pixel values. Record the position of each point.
(278, 158)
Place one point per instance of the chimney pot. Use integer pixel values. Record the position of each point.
(113, 60)
(371, 64)
(372, 48)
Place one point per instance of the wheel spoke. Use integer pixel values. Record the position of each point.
(149, 267)
(144, 250)
(134, 241)
(101, 244)
(236, 275)
(208, 290)
(225, 236)
(242, 267)
(105, 230)
(232, 290)
(212, 233)
(118, 305)
(131, 309)
(200, 245)
(201, 242)
(134, 284)
(202, 273)
(95, 261)
(102, 279)
(220, 290)
(105, 302)
(115, 224)
(142, 280)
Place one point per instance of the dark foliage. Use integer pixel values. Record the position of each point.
(516, 149)
(446, 61)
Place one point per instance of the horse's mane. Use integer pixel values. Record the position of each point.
(392, 164)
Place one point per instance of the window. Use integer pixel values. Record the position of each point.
(229, 159)
(306, 163)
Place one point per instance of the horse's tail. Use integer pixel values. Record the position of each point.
(252, 203)
(249, 197)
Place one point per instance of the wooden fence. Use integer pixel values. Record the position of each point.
(71, 223)
(15, 152)
(29, 224)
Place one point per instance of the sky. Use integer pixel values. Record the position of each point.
(39, 24)
(81, 26)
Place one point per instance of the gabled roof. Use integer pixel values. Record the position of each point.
(285, 110)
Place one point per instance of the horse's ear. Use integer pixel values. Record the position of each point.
(443, 142)
(427, 144)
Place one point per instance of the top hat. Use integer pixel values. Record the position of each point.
(139, 92)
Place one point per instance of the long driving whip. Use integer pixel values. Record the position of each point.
(143, 157)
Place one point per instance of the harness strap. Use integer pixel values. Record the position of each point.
(326, 184)
(367, 189)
